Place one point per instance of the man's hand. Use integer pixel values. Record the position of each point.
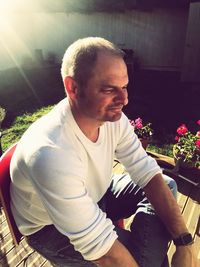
(184, 256)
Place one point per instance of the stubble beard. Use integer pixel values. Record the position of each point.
(113, 117)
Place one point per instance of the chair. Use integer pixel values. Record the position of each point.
(5, 192)
(121, 223)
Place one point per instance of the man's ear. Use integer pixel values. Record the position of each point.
(70, 87)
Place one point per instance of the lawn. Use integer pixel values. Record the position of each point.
(21, 123)
(12, 134)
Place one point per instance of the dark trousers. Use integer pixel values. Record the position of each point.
(147, 239)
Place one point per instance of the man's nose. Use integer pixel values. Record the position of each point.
(122, 97)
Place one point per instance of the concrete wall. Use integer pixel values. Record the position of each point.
(191, 60)
(157, 37)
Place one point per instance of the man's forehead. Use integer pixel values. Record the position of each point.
(113, 81)
(107, 62)
(104, 54)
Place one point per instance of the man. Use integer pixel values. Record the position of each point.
(64, 198)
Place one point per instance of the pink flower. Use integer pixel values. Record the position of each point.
(197, 143)
(177, 138)
(198, 133)
(198, 122)
(138, 123)
(139, 126)
(182, 129)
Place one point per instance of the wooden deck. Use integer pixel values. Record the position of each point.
(23, 255)
(20, 256)
(188, 199)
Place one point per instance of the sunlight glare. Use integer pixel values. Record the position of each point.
(8, 6)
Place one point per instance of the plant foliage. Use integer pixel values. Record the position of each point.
(143, 130)
(20, 125)
(187, 147)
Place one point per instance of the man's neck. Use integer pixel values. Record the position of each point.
(88, 126)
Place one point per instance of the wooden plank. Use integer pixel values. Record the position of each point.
(162, 160)
(196, 198)
(32, 260)
(191, 215)
(128, 222)
(197, 245)
(4, 230)
(2, 217)
(118, 168)
(188, 199)
(115, 163)
(21, 255)
(182, 200)
(195, 194)
(46, 264)
(167, 164)
(188, 207)
(12, 256)
(16, 254)
(6, 245)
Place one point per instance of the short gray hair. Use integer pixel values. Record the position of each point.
(80, 57)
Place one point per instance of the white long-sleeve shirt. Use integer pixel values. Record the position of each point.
(59, 175)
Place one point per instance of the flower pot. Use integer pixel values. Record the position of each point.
(188, 171)
(179, 158)
(184, 164)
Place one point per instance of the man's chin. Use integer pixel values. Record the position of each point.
(116, 117)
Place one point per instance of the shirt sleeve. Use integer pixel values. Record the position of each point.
(141, 167)
(65, 197)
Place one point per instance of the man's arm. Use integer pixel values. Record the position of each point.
(168, 210)
(117, 256)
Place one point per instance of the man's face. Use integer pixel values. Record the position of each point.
(106, 91)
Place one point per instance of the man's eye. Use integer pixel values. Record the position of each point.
(108, 90)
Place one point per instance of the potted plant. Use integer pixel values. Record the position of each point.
(143, 131)
(187, 148)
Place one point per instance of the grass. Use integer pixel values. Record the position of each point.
(19, 126)
(12, 134)
(165, 149)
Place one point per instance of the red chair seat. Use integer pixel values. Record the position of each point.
(5, 193)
